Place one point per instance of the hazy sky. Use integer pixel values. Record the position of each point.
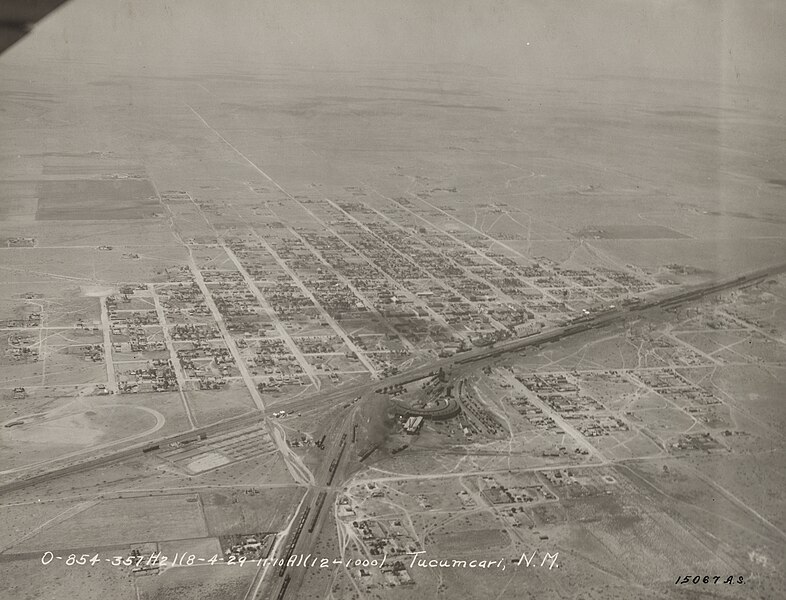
(732, 42)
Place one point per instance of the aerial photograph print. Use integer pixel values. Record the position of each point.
(392, 300)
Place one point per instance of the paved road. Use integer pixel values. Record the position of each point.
(170, 346)
(318, 305)
(282, 332)
(106, 327)
(228, 339)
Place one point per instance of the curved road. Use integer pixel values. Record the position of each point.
(160, 421)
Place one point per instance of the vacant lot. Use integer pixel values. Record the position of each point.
(469, 541)
(206, 583)
(96, 200)
(30, 580)
(124, 521)
(630, 232)
(237, 512)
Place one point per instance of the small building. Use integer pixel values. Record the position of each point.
(413, 425)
